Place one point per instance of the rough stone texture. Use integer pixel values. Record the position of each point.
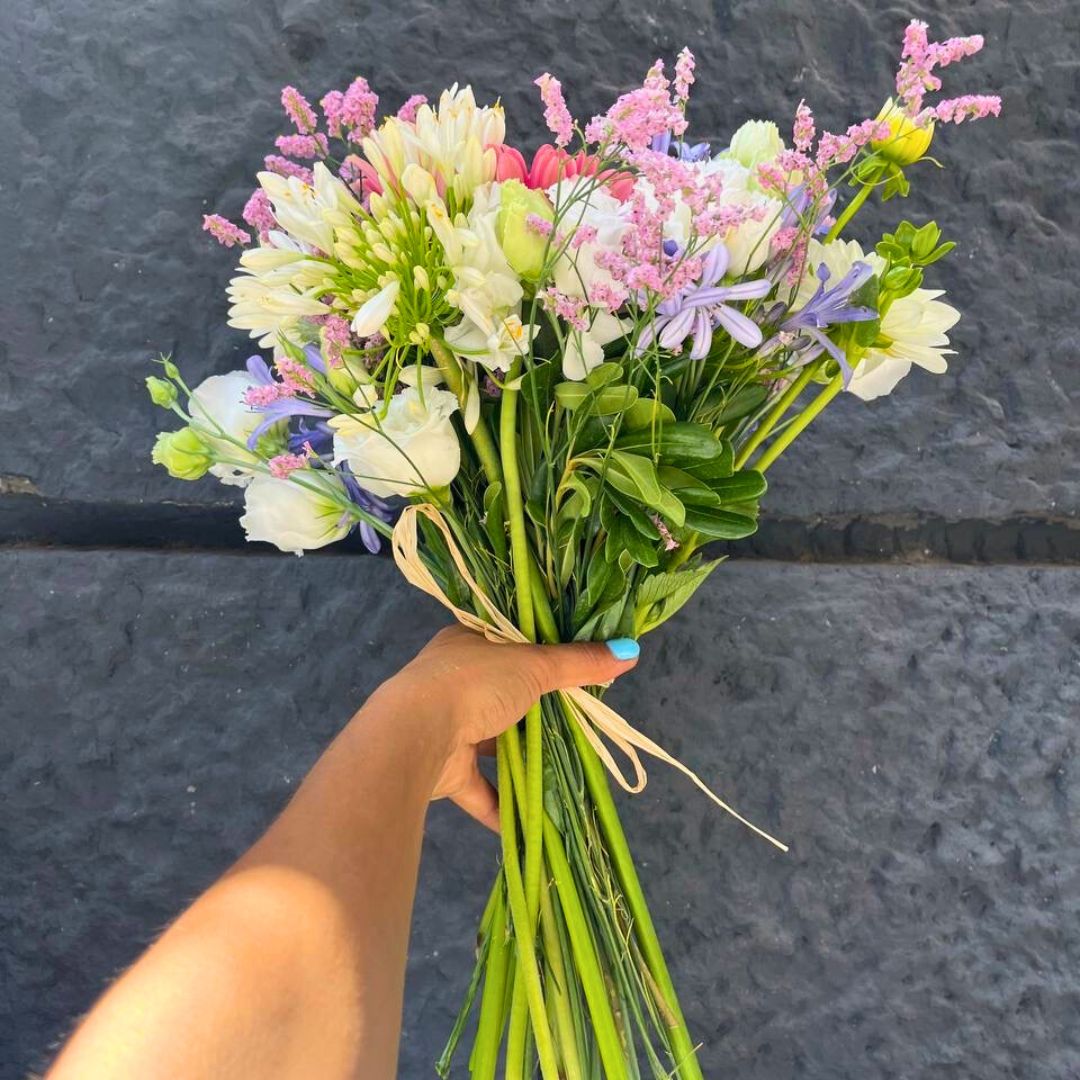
(124, 123)
(909, 731)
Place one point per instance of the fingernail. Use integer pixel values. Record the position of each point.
(624, 648)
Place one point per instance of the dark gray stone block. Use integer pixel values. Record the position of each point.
(909, 731)
(125, 123)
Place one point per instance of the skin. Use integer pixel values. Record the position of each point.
(293, 963)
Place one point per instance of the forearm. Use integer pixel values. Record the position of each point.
(293, 963)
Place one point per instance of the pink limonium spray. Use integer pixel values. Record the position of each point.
(284, 465)
(299, 110)
(408, 111)
(639, 115)
(259, 213)
(684, 75)
(303, 146)
(556, 115)
(351, 115)
(275, 163)
(224, 231)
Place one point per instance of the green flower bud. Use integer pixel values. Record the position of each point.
(907, 142)
(522, 245)
(162, 392)
(171, 370)
(183, 453)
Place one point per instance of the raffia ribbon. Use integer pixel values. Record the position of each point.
(589, 712)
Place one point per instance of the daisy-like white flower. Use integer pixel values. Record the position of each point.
(914, 330)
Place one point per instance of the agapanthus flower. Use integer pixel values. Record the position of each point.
(913, 328)
(696, 311)
(666, 143)
(370, 504)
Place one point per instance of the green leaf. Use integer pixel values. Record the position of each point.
(636, 476)
(647, 413)
(606, 373)
(680, 443)
(688, 488)
(717, 467)
(495, 516)
(576, 497)
(661, 595)
(720, 524)
(739, 404)
(633, 513)
(624, 537)
(743, 486)
(606, 402)
(536, 504)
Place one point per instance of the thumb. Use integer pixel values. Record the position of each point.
(586, 663)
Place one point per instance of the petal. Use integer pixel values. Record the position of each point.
(743, 330)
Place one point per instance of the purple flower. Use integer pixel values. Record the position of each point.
(665, 144)
(799, 200)
(699, 309)
(828, 307)
(371, 504)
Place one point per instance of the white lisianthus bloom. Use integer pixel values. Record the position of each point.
(410, 447)
(293, 517)
(496, 351)
(577, 272)
(755, 143)
(217, 404)
(748, 242)
(914, 330)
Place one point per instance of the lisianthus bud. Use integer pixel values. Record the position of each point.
(162, 392)
(907, 142)
(522, 245)
(183, 453)
(756, 142)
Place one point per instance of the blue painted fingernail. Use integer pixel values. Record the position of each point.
(624, 648)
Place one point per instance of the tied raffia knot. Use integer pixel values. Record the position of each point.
(590, 713)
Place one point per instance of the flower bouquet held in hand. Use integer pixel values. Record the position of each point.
(549, 383)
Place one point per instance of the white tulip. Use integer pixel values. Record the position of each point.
(410, 448)
(217, 405)
(293, 517)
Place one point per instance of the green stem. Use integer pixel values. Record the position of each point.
(685, 1052)
(557, 989)
(528, 969)
(850, 211)
(483, 443)
(799, 424)
(593, 983)
(489, 1028)
(772, 417)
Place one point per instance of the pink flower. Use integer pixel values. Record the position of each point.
(509, 163)
(298, 110)
(336, 337)
(408, 111)
(284, 167)
(351, 114)
(551, 164)
(302, 146)
(571, 308)
(919, 59)
(684, 74)
(639, 115)
(803, 130)
(263, 394)
(224, 231)
(284, 464)
(295, 376)
(556, 115)
(259, 213)
(957, 110)
(539, 225)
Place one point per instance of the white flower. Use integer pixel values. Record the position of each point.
(308, 213)
(496, 351)
(293, 517)
(576, 271)
(277, 287)
(755, 143)
(410, 448)
(915, 326)
(585, 348)
(485, 286)
(217, 405)
(374, 312)
(452, 142)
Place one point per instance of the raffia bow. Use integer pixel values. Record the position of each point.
(589, 712)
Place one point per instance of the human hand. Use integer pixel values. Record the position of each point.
(468, 690)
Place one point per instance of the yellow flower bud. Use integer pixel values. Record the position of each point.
(522, 245)
(183, 453)
(907, 141)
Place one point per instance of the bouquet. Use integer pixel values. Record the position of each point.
(550, 383)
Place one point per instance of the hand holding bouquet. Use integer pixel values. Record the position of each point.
(573, 372)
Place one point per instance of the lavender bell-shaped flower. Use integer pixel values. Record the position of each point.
(699, 309)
